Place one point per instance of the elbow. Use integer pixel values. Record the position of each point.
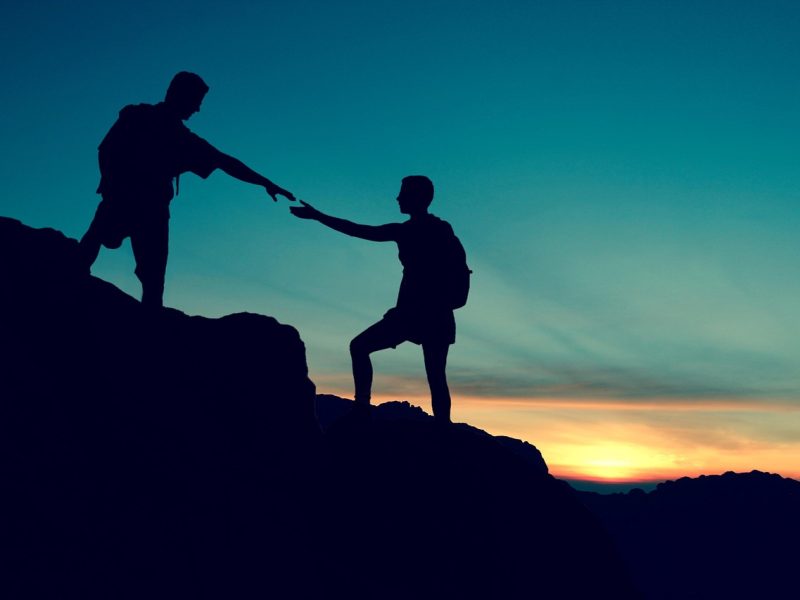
(226, 163)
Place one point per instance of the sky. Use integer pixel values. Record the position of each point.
(623, 176)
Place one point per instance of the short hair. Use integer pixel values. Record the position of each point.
(186, 86)
(420, 188)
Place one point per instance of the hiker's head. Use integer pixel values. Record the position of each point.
(416, 194)
(185, 94)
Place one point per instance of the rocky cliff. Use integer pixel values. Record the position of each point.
(163, 455)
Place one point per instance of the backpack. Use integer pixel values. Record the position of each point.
(457, 275)
(435, 270)
(138, 152)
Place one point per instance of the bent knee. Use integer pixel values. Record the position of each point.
(357, 346)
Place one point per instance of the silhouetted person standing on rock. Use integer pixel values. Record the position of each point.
(144, 151)
(435, 281)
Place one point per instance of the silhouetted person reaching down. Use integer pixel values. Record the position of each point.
(435, 281)
(144, 151)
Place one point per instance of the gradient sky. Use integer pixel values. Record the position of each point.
(624, 176)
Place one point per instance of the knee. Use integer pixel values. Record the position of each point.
(357, 347)
(360, 347)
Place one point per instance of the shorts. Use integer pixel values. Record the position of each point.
(116, 220)
(403, 325)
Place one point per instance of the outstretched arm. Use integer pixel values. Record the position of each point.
(236, 168)
(373, 233)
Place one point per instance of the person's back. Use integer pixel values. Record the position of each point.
(424, 245)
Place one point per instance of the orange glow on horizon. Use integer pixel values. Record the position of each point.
(617, 442)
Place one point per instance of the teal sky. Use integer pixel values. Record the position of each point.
(623, 175)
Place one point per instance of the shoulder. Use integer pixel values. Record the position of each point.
(393, 230)
(177, 131)
(192, 143)
(436, 219)
(440, 226)
(405, 228)
(445, 225)
(132, 111)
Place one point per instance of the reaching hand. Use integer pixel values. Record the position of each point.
(275, 190)
(306, 211)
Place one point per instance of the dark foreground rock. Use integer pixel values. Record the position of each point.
(722, 536)
(162, 455)
(144, 455)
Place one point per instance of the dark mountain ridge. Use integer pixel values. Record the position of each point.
(163, 455)
(331, 408)
(734, 535)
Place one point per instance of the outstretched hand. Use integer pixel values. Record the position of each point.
(306, 211)
(276, 190)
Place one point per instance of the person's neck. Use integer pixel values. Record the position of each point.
(416, 216)
(171, 110)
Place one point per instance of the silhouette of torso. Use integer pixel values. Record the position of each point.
(144, 151)
(424, 244)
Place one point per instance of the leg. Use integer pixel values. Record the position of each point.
(379, 336)
(150, 245)
(93, 238)
(435, 365)
(108, 228)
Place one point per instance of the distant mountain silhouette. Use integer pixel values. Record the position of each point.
(735, 535)
(163, 455)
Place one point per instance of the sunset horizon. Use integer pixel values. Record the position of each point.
(622, 176)
(563, 235)
(627, 454)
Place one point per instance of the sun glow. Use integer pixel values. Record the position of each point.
(606, 462)
(614, 441)
(609, 461)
